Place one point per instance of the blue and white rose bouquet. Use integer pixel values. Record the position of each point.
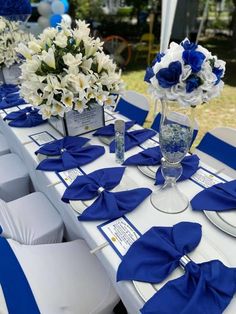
(66, 69)
(186, 73)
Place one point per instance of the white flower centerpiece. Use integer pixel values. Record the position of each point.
(183, 77)
(66, 72)
(10, 36)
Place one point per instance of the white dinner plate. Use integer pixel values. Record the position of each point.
(205, 251)
(226, 221)
(125, 184)
(149, 171)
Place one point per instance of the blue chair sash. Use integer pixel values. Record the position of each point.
(218, 149)
(17, 292)
(131, 111)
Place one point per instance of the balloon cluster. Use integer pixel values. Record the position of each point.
(53, 12)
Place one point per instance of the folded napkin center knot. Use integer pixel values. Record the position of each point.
(100, 189)
(63, 150)
(27, 113)
(184, 260)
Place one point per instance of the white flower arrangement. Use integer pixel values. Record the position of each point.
(10, 36)
(186, 73)
(66, 69)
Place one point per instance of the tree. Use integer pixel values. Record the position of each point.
(86, 9)
(233, 24)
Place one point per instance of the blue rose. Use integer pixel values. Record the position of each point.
(15, 7)
(157, 58)
(148, 75)
(187, 45)
(192, 83)
(194, 59)
(168, 77)
(218, 73)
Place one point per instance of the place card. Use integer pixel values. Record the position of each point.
(120, 234)
(68, 176)
(42, 138)
(206, 178)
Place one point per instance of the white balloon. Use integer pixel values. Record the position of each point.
(43, 21)
(44, 9)
(58, 7)
(66, 18)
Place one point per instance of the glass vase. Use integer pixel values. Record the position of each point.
(176, 132)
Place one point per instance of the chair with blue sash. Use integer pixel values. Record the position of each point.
(4, 147)
(134, 106)
(31, 220)
(157, 121)
(218, 149)
(53, 279)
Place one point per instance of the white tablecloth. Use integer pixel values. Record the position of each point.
(143, 218)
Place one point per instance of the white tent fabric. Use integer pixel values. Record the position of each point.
(64, 278)
(167, 19)
(31, 220)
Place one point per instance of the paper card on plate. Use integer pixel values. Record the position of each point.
(205, 178)
(69, 176)
(42, 138)
(120, 233)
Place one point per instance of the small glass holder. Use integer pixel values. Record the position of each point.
(120, 141)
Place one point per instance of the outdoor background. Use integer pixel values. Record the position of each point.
(130, 19)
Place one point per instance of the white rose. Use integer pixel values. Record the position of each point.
(49, 58)
(71, 60)
(24, 51)
(34, 46)
(61, 40)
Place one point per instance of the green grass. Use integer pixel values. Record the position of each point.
(219, 111)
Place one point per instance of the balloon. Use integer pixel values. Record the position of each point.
(66, 18)
(66, 5)
(44, 9)
(58, 7)
(43, 22)
(55, 19)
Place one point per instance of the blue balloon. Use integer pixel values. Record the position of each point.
(55, 19)
(66, 5)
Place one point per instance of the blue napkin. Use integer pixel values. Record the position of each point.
(4, 104)
(25, 118)
(190, 166)
(155, 255)
(109, 130)
(134, 138)
(70, 159)
(148, 157)
(108, 205)
(204, 288)
(219, 197)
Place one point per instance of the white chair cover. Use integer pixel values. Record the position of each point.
(4, 148)
(65, 278)
(31, 220)
(14, 178)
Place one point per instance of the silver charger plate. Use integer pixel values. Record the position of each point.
(205, 251)
(225, 221)
(149, 171)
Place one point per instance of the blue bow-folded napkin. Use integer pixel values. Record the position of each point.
(190, 166)
(204, 288)
(157, 252)
(148, 157)
(108, 205)
(109, 130)
(4, 104)
(134, 138)
(219, 197)
(25, 118)
(70, 159)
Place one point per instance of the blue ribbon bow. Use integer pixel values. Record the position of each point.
(108, 205)
(204, 288)
(70, 154)
(190, 166)
(13, 102)
(148, 157)
(219, 197)
(25, 118)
